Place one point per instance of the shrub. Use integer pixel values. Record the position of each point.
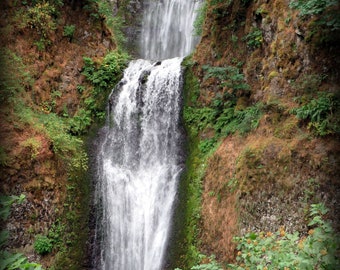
(321, 113)
(103, 77)
(69, 31)
(312, 7)
(34, 145)
(282, 250)
(242, 121)
(80, 122)
(40, 17)
(254, 38)
(228, 76)
(43, 245)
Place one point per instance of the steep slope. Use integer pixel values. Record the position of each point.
(47, 105)
(265, 109)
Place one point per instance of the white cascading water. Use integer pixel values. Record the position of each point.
(168, 29)
(139, 154)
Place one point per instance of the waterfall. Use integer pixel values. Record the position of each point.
(138, 162)
(168, 29)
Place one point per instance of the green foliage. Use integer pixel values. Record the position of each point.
(60, 131)
(103, 77)
(34, 145)
(321, 113)
(200, 17)
(108, 73)
(69, 31)
(312, 7)
(326, 25)
(207, 145)
(228, 76)
(281, 250)
(43, 245)
(242, 121)
(212, 265)
(41, 18)
(254, 38)
(9, 261)
(102, 10)
(11, 86)
(80, 122)
(56, 234)
(41, 44)
(199, 118)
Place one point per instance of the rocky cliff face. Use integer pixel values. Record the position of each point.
(42, 86)
(258, 63)
(268, 177)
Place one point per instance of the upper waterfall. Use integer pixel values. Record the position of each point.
(167, 29)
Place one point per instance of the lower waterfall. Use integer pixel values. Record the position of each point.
(138, 166)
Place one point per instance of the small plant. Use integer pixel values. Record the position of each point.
(40, 17)
(69, 31)
(80, 122)
(41, 44)
(207, 145)
(43, 245)
(254, 38)
(242, 121)
(228, 76)
(321, 114)
(6, 203)
(234, 39)
(34, 145)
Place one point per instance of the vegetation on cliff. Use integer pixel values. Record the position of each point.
(59, 60)
(261, 187)
(264, 112)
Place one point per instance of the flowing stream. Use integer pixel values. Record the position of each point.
(139, 163)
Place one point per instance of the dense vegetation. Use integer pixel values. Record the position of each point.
(241, 86)
(50, 122)
(221, 105)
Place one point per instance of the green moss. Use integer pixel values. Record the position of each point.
(273, 74)
(184, 246)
